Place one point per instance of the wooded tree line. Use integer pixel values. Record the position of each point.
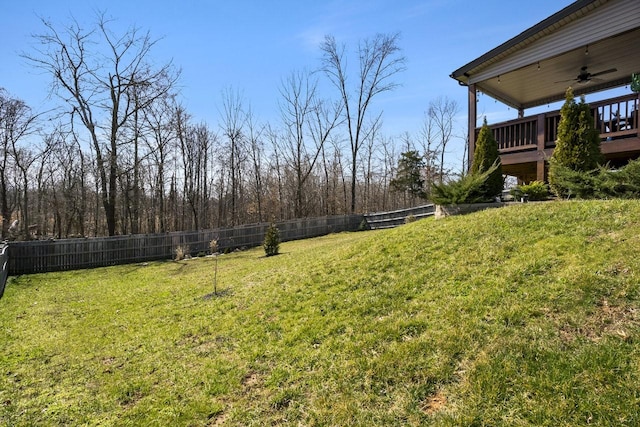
(122, 155)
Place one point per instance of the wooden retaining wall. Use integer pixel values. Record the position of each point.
(398, 217)
(443, 211)
(71, 254)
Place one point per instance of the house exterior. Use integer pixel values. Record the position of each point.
(591, 45)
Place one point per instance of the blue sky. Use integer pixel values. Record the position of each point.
(251, 46)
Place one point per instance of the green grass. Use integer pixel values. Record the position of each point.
(521, 316)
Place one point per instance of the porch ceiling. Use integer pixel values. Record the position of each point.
(536, 67)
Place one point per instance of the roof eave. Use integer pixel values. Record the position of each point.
(462, 73)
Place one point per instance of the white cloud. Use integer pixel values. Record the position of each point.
(312, 37)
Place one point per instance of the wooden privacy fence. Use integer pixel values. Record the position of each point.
(395, 218)
(70, 254)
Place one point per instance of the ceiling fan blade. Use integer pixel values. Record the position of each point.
(565, 81)
(585, 76)
(610, 70)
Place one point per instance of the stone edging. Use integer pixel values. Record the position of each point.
(443, 211)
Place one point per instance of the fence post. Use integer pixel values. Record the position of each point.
(4, 261)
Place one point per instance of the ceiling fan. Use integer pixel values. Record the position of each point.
(585, 77)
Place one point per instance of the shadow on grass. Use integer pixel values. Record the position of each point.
(219, 294)
(133, 268)
(273, 256)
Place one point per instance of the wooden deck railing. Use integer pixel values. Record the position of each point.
(515, 135)
(615, 118)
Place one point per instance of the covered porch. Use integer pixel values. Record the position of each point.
(591, 45)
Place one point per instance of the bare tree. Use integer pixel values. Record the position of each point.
(338, 180)
(389, 167)
(17, 122)
(207, 140)
(308, 123)
(465, 152)
(370, 149)
(276, 171)
(298, 92)
(380, 60)
(256, 154)
(24, 158)
(188, 155)
(137, 128)
(67, 176)
(441, 115)
(105, 79)
(41, 180)
(160, 118)
(429, 142)
(234, 119)
(325, 120)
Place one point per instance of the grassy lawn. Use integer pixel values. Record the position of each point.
(525, 315)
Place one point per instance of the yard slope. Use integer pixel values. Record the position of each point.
(524, 315)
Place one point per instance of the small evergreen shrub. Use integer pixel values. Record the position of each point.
(622, 183)
(567, 182)
(535, 190)
(364, 225)
(471, 188)
(610, 184)
(409, 219)
(271, 242)
(599, 183)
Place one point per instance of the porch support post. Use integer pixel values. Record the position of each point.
(540, 164)
(540, 171)
(472, 111)
(636, 119)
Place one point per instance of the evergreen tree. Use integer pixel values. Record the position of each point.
(484, 157)
(409, 177)
(578, 142)
(271, 242)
